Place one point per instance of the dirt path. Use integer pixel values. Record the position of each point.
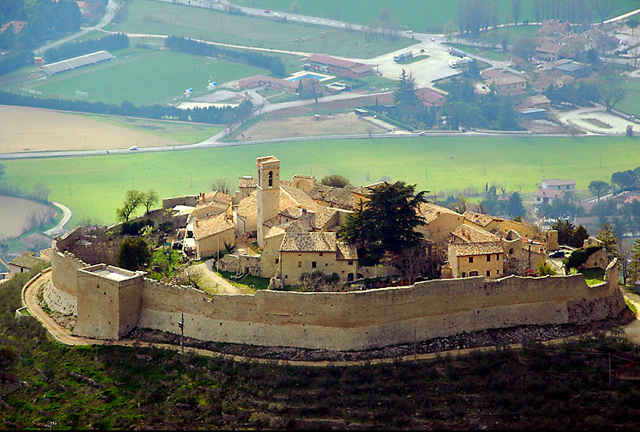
(217, 283)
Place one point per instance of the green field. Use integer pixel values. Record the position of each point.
(145, 77)
(94, 186)
(149, 17)
(419, 15)
(631, 102)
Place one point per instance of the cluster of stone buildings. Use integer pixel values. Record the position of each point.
(284, 229)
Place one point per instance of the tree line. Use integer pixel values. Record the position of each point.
(109, 43)
(475, 16)
(212, 115)
(46, 20)
(272, 63)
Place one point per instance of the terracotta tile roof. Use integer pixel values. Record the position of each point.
(346, 251)
(309, 242)
(248, 205)
(203, 228)
(333, 196)
(549, 47)
(478, 218)
(210, 209)
(471, 234)
(291, 196)
(431, 212)
(323, 215)
(338, 62)
(274, 232)
(366, 190)
(27, 260)
(214, 197)
(318, 242)
(430, 96)
(493, 73)
(481, 248)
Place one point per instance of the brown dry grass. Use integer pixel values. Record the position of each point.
(291, 127)
(34, 129)
(15, 215)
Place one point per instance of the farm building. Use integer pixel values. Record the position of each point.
(266, 81)
(77, 62)
(337, 66)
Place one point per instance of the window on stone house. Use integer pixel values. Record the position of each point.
(464, 274)
(277, 260)
(488, 257)
(313, 264)
(473, 273)
(321, 253)
(270, 178)
(470, 260)
(350, 277)
(497, 271)
(299, 263)
(498, 257)
(488, 273)
(350, 263)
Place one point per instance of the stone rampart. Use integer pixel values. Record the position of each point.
(65, 265)
(373, 318)
(186, 200)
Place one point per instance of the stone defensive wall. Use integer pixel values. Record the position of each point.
(354, 320)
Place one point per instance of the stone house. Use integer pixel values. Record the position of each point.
(476, 259)
(552, 188)
(431, 97)
(499, 226)
(23, 263)
(505, 84)
(211, 233)
(549, 51)
(307, 252)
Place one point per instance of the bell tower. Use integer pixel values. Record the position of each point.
(268, 192)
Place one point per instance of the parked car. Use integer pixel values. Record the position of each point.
(557, 254)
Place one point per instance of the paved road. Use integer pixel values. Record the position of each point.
(60, 229)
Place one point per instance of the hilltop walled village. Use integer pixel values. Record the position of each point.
(296, 234)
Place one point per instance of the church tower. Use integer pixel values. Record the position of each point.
(268, 193)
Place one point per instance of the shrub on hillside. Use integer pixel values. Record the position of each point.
(580, 256)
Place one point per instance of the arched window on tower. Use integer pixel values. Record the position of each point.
(270, 178)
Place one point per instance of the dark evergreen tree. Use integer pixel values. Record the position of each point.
(514, 206)
(387, 221)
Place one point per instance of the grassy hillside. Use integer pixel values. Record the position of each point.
(150, 17)
(94, 186)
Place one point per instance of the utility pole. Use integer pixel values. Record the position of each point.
(181, 325)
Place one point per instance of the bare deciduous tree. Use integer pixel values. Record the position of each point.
(221, 185)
